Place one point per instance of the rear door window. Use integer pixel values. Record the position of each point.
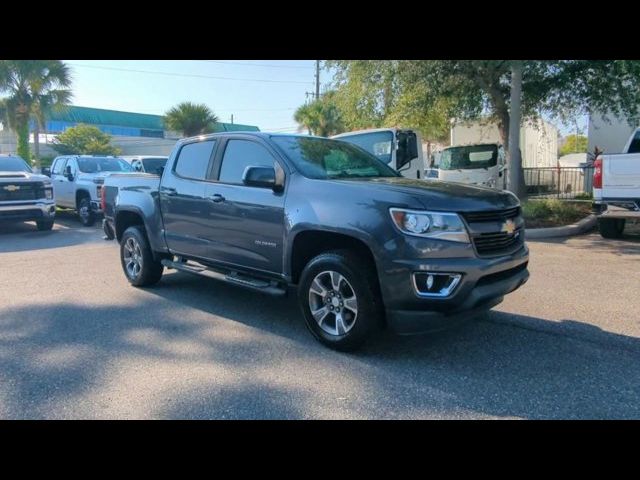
(635, 143)
(193, 160)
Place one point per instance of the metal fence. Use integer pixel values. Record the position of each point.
(558, 182)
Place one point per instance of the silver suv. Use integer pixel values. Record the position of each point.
(78, 179)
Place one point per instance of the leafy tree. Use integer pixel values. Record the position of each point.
(34, 88)
(574, 144)
(84, 140)
(191, 119)
(472, 89)
(320, 117)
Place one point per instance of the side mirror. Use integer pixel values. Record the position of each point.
(46, 171)
(407, 149)
(68, 174)
(263, 177)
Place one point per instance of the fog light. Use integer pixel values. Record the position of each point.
(435, 284)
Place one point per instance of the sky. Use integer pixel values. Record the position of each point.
(264, 93)
(261, 92)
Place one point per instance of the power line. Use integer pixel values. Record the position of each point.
(173, 74)
(255, 64)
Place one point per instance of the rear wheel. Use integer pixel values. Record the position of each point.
(611, 227)
(340, 300)
(87, 216)
(139, 266)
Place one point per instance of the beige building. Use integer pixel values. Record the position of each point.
(538, 140)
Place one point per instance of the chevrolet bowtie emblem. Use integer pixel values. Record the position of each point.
(12, 188)
(509, 227)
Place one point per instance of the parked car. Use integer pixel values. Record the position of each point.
(616, 188)
(24, 195)
(146, 163)
(364, 246)
(77, 181)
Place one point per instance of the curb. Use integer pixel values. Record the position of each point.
(582, 226)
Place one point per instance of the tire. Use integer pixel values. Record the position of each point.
(44, 225)
(611, 227)
(87, 217)
(135, 250)
(359, 280)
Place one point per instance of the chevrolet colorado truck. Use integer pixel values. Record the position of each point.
(616, 188)
(365, 247)
(25, 196)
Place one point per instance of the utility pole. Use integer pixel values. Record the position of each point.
(232, 119)
(317, 79)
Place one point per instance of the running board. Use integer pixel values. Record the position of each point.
(235, 278)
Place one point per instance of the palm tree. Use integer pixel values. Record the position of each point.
(35, 88)
(320, 117)
(190, 119)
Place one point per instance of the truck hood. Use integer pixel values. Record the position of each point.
(445, 196)
(17, 177)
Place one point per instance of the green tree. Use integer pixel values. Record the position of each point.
(320, 117)
(190, 119)
(574, 144)
(34, 88)
(472, 89)
(84, 140)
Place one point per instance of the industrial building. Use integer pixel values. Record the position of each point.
(133, 133)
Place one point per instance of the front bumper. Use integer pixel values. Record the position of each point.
(26, 211)
(484, 283)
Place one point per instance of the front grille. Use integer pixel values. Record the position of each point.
(505, 274)
(489, 231)
(498, 243)
(10, 192)
(492, 216)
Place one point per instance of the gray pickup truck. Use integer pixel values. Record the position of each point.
(24, 195)
(365, 247)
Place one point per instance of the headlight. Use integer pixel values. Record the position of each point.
(48, 193)
(438, 225)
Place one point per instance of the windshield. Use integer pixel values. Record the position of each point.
(13, 164)
(97, 164)
(323, 158)
(469, 157)
(377, 143)
(154, 165)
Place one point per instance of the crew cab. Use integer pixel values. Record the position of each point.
(24, 195)
(363, 246)
(616, 188)
(77, 181)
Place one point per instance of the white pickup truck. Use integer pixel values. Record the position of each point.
(616, 188)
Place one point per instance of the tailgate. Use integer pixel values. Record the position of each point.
(621, 176)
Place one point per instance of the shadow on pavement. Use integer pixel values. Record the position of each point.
(501, 365)
(67, 231)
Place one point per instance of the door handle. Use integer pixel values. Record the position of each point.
(216, 198)
(169, 191)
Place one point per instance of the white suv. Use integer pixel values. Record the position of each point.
(77, 181)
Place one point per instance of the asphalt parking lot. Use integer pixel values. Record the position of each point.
(76, 341)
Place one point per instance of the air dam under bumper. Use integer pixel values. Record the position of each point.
(477, 300)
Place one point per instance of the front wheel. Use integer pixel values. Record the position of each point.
(44, 225)
(87, 216)
(611, 227)
(340, 299)
(139, 266)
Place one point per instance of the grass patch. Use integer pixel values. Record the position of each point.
(553, 212)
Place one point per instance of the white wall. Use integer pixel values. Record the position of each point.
(610, 136)
(538, 140)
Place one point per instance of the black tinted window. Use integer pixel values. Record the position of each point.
(13, 164)
(193, 160)
(239, 155)
(635, 144)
